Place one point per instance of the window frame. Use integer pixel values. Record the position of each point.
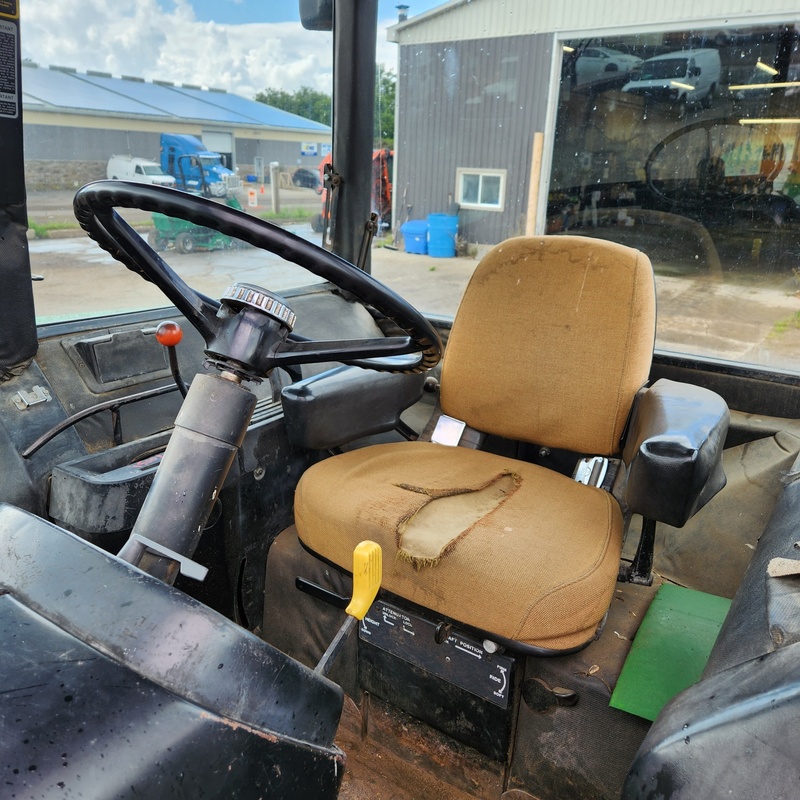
(481, 173)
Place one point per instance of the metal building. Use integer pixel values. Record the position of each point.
(478, 82)
(75, 121)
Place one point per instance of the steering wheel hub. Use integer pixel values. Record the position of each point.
(241, 295)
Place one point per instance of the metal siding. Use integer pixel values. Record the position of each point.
(286, 153)
(497, 18)
(66, 143)
(448, 120)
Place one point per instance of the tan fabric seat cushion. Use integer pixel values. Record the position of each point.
(502, 545)
(553, 338)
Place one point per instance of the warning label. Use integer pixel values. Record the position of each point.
(9, 9)
(9, 98)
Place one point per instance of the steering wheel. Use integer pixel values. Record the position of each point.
(686, 194)
(95, 205)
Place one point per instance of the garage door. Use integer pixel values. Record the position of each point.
(218, 142)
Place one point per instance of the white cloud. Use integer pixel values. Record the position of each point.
(146, 39)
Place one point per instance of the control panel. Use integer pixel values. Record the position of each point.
(459, 658)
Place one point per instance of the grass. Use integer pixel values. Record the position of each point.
(382, 239)
(42, 229)
(289, 214)
(791, 322)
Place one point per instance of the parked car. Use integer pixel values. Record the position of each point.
(680, 78)
(306, 178)
(595, 63)
(141, 170)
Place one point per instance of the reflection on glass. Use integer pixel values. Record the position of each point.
(667, 68)
(694, 159)
(490, 190)
(470, 188)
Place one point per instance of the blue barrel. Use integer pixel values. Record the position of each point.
(442, 232)
(415, 236)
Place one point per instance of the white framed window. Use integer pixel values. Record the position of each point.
(483, 189)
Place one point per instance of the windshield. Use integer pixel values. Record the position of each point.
(486, 127)
(152, 169)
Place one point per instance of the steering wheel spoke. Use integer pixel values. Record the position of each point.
(201, 311)
(307, 351)
(94, 205)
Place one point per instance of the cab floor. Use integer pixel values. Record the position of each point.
(399, 758)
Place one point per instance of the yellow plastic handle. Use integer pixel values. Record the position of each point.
(367, 572)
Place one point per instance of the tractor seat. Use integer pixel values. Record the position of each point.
(551, 344)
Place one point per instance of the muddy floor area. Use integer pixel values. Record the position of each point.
(390, 756)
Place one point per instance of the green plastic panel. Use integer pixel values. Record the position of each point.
(670, 650)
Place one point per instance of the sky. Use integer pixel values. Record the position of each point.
(243, 46)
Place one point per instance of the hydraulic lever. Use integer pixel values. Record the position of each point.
(367, 573)
(331, 180)
(370, 228)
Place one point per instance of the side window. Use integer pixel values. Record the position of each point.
(481, 189)
(699, 174)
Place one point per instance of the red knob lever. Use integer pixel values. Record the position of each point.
(169, 333)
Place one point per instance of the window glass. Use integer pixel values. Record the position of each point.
(691, 157)
(481, 189)
(81, 280)
(490, 190)
(470, 188)
(88, 102)
(683, 143)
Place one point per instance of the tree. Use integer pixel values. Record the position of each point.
(305, 102)
(385, 89)
(311, 104)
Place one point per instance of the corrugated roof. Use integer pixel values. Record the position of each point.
(458, 20)
(60, 89)
(259, 113)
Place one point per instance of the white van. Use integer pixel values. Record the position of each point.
(131, 168)
(681, 78)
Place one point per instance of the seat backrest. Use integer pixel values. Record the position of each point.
(552, 340)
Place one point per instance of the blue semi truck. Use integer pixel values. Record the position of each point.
(195, 168)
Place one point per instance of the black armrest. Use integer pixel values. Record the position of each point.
(673, 452)
(346, 403)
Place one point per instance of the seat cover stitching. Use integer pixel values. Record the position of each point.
(591, 569)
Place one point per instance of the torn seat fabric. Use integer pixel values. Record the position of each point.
(543, 579)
